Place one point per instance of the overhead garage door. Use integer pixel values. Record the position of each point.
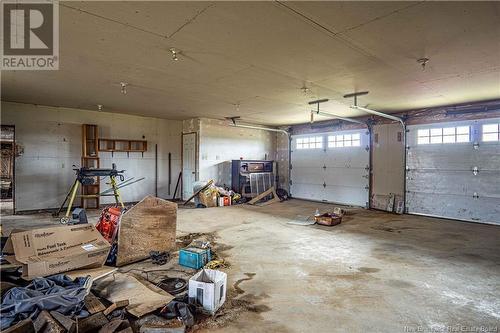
(453, 170)
(332, 167)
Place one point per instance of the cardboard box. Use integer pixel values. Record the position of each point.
(208, 289)
(53, 250)
(208, 198)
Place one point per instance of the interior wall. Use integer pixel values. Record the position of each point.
(387, 164)
(220, 144)
(49, 140)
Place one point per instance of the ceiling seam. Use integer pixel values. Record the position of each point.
(114, 21)
(191, 20)
(379, 18)
(128, 25)
(337, 36)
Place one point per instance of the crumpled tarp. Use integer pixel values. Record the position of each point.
(179, 308)
(57, 292)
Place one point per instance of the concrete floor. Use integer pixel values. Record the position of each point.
(375, 272)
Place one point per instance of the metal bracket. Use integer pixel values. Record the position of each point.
(475, 170)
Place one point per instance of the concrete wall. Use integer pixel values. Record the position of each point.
(50, 138)
(220, 143)
(387, 164)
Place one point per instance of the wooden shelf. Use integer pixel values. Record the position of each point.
(121, 145)
(90, 159)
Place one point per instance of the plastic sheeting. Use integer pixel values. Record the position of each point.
(57, 292)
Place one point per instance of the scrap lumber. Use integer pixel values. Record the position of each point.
(92, 323)
(116, 326)
(24, 326)
(66, 322)
(116, 305)
(150, 225)
(93, 304)
(46, 324)
(264, 194)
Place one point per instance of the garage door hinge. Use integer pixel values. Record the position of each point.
(367, 187)
(324, 184)
(291, 182)
(475, 171)
(475, 195)
(367, 148)
(290, 167)
(324, 167)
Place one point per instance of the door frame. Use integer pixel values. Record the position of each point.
(196, 152)
(13, 168)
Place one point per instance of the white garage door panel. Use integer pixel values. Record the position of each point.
(448, 158)
(307, 176)
(454, 182)
(347, 157)
(332, 174)
(346, 177)
(441, 180)
(308, 158)
(347, 195)
(309, 192)
(485, 210)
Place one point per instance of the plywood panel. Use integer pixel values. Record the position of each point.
(148, 226)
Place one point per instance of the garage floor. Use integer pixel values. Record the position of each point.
(375, 272)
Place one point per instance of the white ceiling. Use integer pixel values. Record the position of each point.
(260, 54)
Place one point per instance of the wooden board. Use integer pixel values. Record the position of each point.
(143, 296)
(95, 273)
(150, 225)
(264, 194)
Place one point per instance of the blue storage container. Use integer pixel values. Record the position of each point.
(193, 257)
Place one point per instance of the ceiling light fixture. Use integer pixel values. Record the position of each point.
(123, 86)
(175, 52)
(423, 62)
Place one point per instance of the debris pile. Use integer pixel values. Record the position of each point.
(60, 282)
(207, 194)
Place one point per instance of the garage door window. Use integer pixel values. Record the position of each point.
(313, 142)
(443, 135)
(491, 132)
(345, 140)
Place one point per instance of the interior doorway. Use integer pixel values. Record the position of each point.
(7, 185)
(188, 163)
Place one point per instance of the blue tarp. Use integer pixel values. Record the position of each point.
(57, 292)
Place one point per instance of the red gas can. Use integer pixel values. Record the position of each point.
(109, 222)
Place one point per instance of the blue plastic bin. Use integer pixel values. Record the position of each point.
(193, 257)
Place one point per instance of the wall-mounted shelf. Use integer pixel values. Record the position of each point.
(120, 145)
(90, 159)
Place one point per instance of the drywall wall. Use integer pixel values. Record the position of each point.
(220, 143)
(387, 164)
(49, 139)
